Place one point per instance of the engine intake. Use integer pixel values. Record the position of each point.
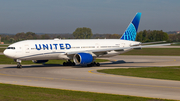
(82, 58)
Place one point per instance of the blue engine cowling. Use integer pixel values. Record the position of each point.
(83, 58)
(40, 61)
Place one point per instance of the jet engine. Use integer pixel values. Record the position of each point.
(40, 61)
(83, 58)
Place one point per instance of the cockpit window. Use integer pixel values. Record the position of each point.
(10, 47)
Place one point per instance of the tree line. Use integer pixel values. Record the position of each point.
(86, 33)
(22, 36)
(151, 36)
(174, 37)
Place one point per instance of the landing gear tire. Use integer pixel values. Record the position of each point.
(69, 63)
(93, 64)
(64, 63)
(89, 65)
(19, 65)
(73, 64)
(98, 64)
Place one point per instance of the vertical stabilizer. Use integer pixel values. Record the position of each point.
(131, 31)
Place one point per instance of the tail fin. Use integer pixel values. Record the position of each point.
(131, 31)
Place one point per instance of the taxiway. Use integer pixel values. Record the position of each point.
(87, 79)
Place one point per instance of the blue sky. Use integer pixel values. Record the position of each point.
(102, 16)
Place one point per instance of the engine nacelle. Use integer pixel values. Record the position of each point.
(40, 61)
(82, 58)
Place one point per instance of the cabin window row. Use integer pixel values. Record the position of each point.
(109, 46)
(79, 47)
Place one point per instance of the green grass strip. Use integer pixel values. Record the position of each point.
(25, 93)
(2, 49)
(6, 60)
(4, 45)
(175, 45)
(168, 73)
(155, 51)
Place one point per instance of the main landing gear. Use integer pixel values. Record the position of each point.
(93, 64)
(69, 63)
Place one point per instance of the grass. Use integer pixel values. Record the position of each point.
(101, 60)
(168, 73)
(25, 93)
(155, 51)
(6, 60)
(4, 45)
(176, 44)
(2, 49)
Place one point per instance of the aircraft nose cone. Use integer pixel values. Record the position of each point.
(8, 53)
(5, 52)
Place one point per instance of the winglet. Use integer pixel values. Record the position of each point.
(131, 31)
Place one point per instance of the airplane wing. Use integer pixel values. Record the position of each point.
(115, 49)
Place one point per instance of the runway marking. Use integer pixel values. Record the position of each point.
(121, 83)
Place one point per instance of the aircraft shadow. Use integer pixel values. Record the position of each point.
(121, 62)
(35, 66)
(106, 64)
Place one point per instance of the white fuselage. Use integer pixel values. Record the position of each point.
(57, 48)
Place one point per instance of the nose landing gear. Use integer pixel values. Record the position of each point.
(18, 63)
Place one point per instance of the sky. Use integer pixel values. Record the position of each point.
(102, 16)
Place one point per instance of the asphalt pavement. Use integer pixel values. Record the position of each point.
(88, 79)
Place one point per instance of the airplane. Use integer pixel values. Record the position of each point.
(80, 51)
